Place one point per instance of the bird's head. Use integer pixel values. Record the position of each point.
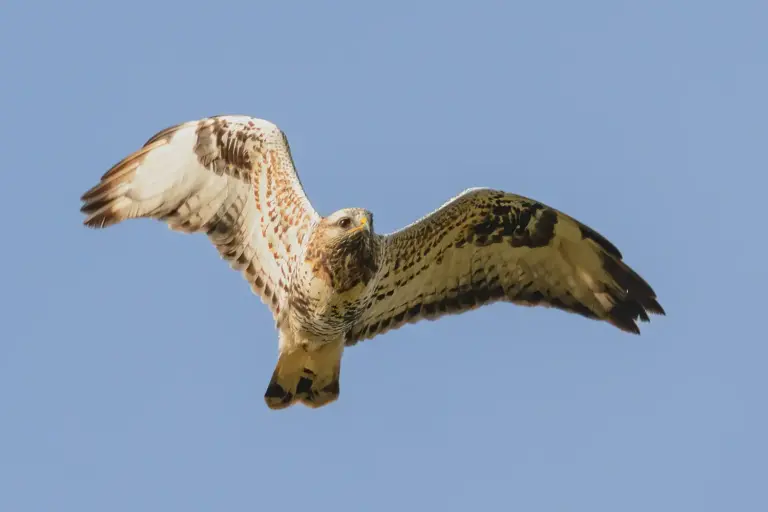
(344, 230)
(349, 223)
(344, 249)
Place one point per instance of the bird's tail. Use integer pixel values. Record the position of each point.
(307, 375)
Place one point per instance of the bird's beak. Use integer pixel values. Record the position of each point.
(363, 225)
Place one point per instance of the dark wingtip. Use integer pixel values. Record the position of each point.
(99, 213)
(626, 314)
(634, 301)
(654, 307)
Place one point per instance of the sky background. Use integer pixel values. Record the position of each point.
(133, 362)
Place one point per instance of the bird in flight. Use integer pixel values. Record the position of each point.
(331, 282)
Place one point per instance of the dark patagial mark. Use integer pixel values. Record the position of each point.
(538, 234)
(222, 150)
(524, 225)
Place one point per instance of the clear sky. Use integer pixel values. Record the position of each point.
(133, 361)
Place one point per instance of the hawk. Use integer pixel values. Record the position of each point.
(331, 282)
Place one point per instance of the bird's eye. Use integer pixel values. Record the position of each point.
(345, 222)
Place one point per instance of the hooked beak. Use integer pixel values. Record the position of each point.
(363, 225)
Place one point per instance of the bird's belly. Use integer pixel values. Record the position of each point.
(324, 314)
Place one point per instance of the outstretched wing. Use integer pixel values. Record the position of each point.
(486, 246)
(231, 177)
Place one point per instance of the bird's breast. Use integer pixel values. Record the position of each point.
(319, 308)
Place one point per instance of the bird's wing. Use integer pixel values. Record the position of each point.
(486, 246)
(231, 177)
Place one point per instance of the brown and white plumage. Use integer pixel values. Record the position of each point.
(486, 246)
(331, 282)
(231, 177)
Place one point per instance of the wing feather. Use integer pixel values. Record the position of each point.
(231, 177)
(485, 246)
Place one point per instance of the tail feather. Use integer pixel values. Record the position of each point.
(306, 375)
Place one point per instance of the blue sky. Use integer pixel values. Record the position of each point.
(133, 361)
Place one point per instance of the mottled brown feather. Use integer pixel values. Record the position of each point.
(213, 176)
(487, 246)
